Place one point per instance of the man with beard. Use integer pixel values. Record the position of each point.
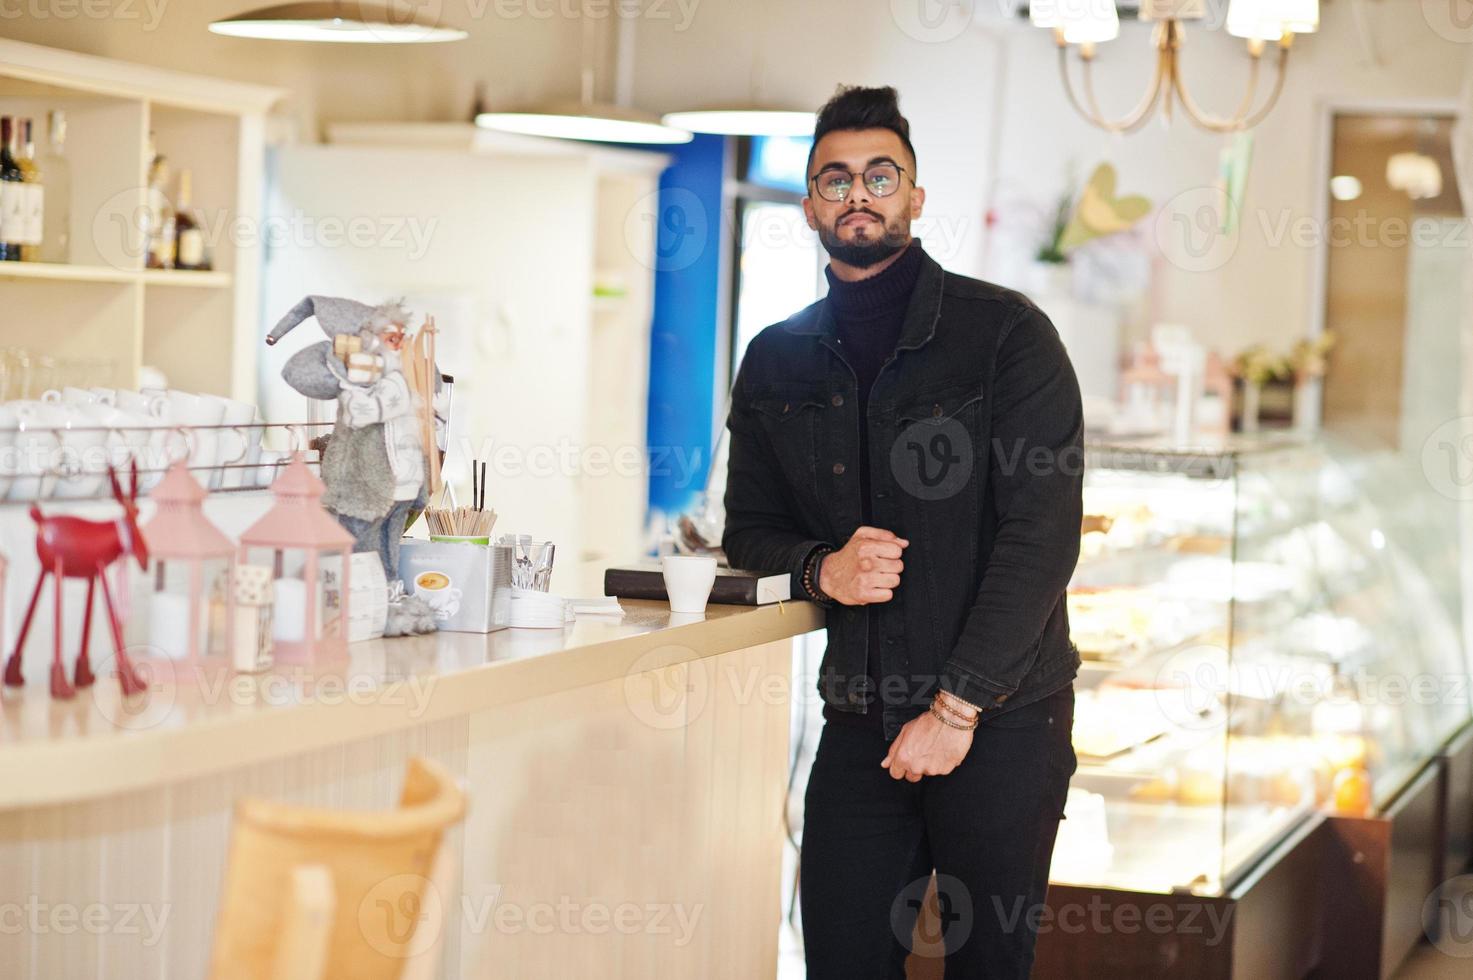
(909, 449)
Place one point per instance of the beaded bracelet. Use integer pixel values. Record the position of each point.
(810, 584)
(953, 711)
(964, 704)
(940, 716)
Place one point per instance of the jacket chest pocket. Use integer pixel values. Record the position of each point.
(792, 417)
(938, 444)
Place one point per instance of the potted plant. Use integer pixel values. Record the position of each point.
(1256, 366)
(1308, 361)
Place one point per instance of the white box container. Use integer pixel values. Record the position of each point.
(468, 585)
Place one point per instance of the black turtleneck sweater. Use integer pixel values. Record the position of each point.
(868, 315)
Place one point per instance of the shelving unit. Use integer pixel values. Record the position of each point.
(199, 328)
(69, 272)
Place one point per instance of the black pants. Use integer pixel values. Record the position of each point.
(870, 843)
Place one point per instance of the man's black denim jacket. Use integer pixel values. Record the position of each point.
(976, 457)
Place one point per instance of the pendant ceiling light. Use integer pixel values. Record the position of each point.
(353, 22)
(595, 121)
(750, 116)
(1417, 172)
(1081, 25)
(587, 118)
(744, 120)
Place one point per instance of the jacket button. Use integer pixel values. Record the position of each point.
(788, 407)
(838, 469)
(836, 401)
(936, 411)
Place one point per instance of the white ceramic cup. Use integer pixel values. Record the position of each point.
(234, 448)
(688, 581)
(135, 401)
(70, 396)
(160, 444)
(195, 413)
(267, 466)
(31, 456)
(127, 437)
(245, 476)
(86, 448)
(9, 423)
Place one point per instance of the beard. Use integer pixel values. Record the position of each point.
(861, 253)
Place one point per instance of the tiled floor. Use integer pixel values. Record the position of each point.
(1455, 958)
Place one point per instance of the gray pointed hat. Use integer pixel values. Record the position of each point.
(335, 315)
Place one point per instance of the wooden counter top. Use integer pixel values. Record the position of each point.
(190, 724)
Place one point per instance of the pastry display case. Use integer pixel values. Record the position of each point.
(1269, 629)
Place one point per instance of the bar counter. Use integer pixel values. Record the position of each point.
(626, 778)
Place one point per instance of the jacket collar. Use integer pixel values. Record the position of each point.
(921, 314)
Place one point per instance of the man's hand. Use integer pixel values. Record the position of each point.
(867, 569)
(927, 746)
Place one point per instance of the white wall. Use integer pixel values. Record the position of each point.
(989, 115)
(508, 277)
(1262, 293)
(984, 85)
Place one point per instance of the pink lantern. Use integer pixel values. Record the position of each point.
(193, 559)
(308, 553)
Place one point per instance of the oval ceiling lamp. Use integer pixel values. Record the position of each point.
(587, 117)
(596, 121)
(750, 120)
(354, 22)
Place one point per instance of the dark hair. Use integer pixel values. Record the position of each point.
(855, 107)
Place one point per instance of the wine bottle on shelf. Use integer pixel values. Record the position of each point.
(56, 231)
(160, 216)
(12, 193)
(189, 250)
(34, 200)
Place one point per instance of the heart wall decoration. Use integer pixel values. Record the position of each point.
(1101, 212)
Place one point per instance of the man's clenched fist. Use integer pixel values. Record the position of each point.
(867, 569)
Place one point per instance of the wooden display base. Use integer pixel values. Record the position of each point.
(1381, 870)
(1457, 805)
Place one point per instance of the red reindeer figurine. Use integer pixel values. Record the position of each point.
(70, 547)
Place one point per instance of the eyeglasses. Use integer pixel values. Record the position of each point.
(881, 180)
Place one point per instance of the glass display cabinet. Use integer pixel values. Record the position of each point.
(1269, 630)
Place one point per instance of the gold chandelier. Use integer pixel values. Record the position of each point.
(1083, 24)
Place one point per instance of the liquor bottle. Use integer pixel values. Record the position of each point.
(160, 233)
(35, 194)
(56, 230)
(12, 193)
(189, 250)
